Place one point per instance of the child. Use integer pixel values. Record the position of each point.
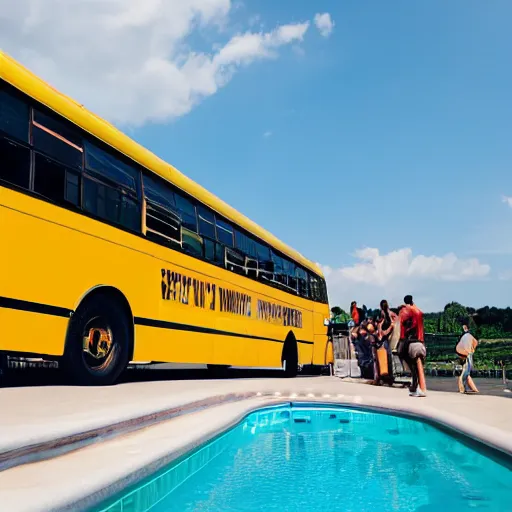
(465, 349)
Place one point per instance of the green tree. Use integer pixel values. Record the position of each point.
(453, 316)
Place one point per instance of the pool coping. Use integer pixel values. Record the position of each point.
(61, 445)
(464, 430)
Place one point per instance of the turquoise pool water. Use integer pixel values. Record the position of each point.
(309, 459)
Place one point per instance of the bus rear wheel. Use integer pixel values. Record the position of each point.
(98, 343)
(290, 358)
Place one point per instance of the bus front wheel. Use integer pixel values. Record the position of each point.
(98, 342)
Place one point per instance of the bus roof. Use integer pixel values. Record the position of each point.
(21, 78)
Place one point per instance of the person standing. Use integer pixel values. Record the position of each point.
(354, 312)
(413, 345)
(465, 349)
(386, 325)
(362, 344)
(372, 341)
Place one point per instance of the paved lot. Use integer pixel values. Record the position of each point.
(492, 387)
(176, 372)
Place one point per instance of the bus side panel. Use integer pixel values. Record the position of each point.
(307, 350)
(305, 353)
(321, 312)
(52, 257)
(23, 331)
(166, 345)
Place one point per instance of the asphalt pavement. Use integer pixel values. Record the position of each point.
(168, 372)
(492, 387)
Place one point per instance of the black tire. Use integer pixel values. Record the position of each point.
(100, 315)
(290, 358)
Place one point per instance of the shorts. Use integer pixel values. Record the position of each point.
(417, 350)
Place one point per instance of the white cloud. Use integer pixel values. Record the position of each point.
(267, 134)
(324, 23)
(132, 61)
(375, 275)
(507, 200)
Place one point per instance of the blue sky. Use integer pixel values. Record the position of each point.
(391, 132)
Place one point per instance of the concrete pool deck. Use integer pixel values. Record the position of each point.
(144, 425)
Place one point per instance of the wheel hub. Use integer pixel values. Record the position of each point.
(98, 342)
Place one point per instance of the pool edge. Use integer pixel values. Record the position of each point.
(461, 428)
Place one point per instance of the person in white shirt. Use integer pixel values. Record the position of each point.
(465, 349)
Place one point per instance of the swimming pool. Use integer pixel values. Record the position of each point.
(312, 458)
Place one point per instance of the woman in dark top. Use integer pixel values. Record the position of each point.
(385, 330)
(387, 319)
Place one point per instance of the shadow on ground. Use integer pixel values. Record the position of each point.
(51, 377)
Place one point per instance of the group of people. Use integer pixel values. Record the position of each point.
(395, 339)
(390, 333)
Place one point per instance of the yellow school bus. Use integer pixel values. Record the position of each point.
(109, 255)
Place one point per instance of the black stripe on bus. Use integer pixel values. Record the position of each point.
(161, 324)
(34, 307)
(45, 309)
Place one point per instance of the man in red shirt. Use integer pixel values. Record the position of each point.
(411, 321)
(412, 332)
(354, 312)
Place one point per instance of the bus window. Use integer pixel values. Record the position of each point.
(289, 269)
(252, 267)
(213, 251)
(302, 279)
(245, 244)
(323, 292)
(235, 261)
(111, 204)
(191, 242)
(14, 124)
(315, 287)
(318, 289)
(14, 117)
(55, 181)
(111, 188)
(279, 274)
(158, 193)
(162, 221)
(187, 212)
(72, 193)
(224, 232)
(15, 158)
(265, 263)
(56, 140)
(206, 222)
(107, 166)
